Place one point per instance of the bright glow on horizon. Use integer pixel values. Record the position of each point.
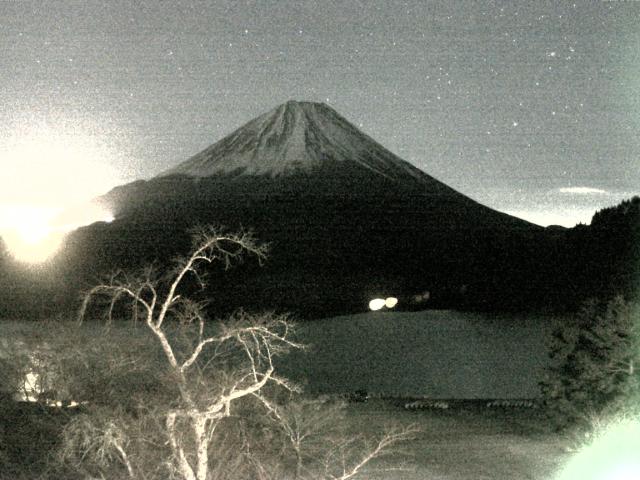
(79, 215)
(46, 174)
(27, 232)
(33, 234)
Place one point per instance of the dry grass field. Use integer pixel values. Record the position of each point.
(468, 442)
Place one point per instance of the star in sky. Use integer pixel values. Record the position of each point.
(555, 84)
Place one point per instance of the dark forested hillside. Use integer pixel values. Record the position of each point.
(319, 264)
(607, 253)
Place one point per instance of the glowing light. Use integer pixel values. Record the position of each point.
(33, 234)
(391, 302)
(46, 171)
(80, 215)
(30, 393)
(376, 304)
(27, 232)
(612, 456)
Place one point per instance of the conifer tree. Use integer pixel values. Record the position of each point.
(595, 358)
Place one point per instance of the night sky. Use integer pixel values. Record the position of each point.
(528, 107)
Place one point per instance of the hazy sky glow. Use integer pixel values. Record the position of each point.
(529, 107)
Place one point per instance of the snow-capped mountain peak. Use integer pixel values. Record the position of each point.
(295, 137)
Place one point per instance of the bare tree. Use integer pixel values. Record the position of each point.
(346, 456)
(315, 430)
(215, 369)
(259, 338)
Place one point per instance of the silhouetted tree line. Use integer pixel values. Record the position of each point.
(559, 269)
(320, 266)
(606, 254)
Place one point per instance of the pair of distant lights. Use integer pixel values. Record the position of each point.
(380, 303)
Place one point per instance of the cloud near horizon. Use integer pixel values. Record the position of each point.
(583, 191)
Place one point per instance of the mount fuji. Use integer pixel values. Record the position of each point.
(346, 220)
(298, 137)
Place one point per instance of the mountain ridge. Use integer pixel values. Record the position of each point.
(296, 136)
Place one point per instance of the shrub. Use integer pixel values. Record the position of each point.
(595, 357)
